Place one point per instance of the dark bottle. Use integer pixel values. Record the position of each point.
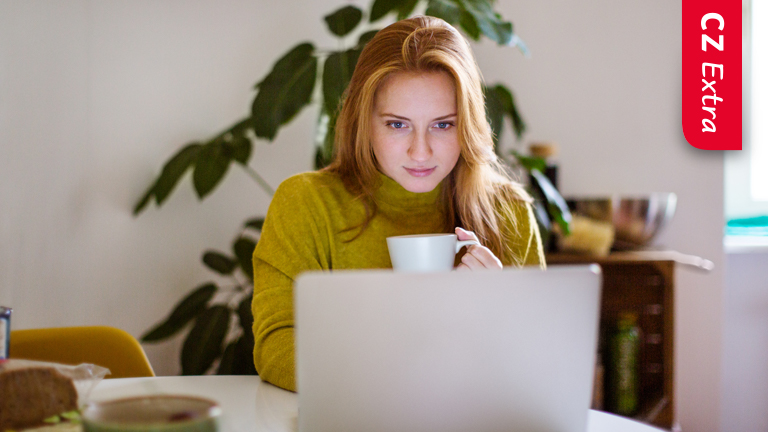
(625, 346)
(546, 151)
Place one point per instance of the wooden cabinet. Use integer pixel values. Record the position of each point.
(642, 282)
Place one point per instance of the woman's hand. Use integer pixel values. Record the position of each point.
(477, 257)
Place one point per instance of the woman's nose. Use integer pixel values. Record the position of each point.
(420, 150)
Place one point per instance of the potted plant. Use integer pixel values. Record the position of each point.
(280, 96)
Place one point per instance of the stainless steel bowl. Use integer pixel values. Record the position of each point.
(637, 220)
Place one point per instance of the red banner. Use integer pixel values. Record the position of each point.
(712, 74)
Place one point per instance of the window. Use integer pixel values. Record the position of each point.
(759, 102)
(746, 172)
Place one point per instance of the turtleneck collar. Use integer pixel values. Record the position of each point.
(390, 192)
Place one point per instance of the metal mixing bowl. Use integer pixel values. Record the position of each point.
(636, 219)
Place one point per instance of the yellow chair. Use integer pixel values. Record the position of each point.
(108, 347)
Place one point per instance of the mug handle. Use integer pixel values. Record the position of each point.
(460, 244)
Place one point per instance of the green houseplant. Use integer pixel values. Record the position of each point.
(213, 340)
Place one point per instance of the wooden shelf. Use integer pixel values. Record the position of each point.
(633, 256)
(642, 282)
(653, 410)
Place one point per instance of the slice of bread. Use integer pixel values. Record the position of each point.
(30, 394)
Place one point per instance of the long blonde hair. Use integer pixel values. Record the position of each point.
(475, 195)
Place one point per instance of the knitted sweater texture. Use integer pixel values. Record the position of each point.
(305, 230)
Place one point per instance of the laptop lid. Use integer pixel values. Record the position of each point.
(458, 351)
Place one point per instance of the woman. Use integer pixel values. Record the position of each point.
(414, 155)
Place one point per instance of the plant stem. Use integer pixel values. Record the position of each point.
(259, 179)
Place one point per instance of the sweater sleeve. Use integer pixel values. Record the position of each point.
(290, 244)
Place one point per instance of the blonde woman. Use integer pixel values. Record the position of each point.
(414, 155)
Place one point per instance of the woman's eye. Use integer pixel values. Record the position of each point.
(443, 125)
(396, 124)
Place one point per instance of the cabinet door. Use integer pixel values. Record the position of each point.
(645, 288)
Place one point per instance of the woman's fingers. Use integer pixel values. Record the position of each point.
(471, 260)
(463, 234)
(477, 256)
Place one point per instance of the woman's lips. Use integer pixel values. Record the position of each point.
(420, 172)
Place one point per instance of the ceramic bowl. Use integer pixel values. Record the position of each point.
(637, 220)
(161, 413)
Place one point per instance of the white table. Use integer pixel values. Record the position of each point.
(250, 405)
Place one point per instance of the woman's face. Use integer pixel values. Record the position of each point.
(414, 129)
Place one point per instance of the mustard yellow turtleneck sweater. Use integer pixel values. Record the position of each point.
(303, 231)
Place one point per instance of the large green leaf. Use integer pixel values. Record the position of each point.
(520, 44)
(186, 310)
(245, 313)
(445, 9)
(321, 160)
(530, 163)
(494, 110)
(557, 208)
(510, 109)
(243, 362)
(285, 91)
(344, 20)
(405, 9)
(255, 223)
(328, 145)
(243, 248)
(556, 205)
(170, 176)
(337, 71)
(236, 146)
(365, 38)
(210, 168)
(469, 24)
(227, 360)
(203, 344)
(543, 221)
(174, 169)
(488, 22)
(144, 200)
(219, 262)
(239, 149)
(502, 29)
(238, 357)
(235, 141)
(476, 18)
(380, 8)
(239, 128)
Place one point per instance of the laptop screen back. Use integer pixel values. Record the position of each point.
(459, 351)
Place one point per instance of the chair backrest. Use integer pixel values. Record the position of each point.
(108, 347)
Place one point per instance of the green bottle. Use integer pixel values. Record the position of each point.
(625, 345)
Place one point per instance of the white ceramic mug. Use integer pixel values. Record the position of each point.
(424, 253)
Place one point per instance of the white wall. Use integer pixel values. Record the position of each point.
(745, 343)
(94, 96)
(604, 82)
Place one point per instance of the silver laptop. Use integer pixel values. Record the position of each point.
(460, 351)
